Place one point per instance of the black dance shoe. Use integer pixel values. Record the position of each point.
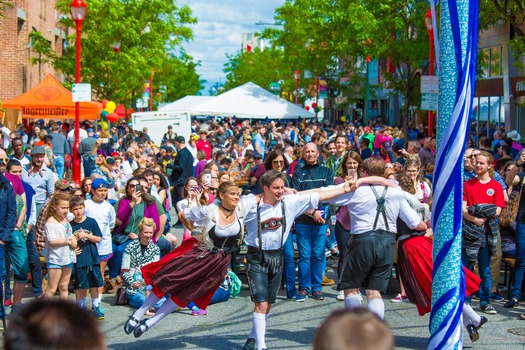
(472, 332)
(128, 328)
(141, 328)
(250, 344)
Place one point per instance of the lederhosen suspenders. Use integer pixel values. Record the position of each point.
(271, 262)
(381, 209)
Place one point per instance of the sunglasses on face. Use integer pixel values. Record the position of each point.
(4, 160)
(278, 162)
(212, 188)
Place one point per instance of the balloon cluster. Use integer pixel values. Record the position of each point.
(315, 108)
(108, 114)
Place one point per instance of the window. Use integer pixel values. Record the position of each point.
(490, 63)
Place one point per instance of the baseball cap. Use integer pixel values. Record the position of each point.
(257, 155)
(180, 139)
(98, 183)
(387, 145)
(367, 129)
(37, 150)
(90, 130)
(110, 160)
(62, 184)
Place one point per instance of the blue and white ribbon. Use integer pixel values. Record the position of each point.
(456, 83)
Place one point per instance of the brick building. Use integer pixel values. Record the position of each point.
(17, 73)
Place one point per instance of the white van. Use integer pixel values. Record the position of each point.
(158, 122)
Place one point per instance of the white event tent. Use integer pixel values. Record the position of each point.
(185, 103)
(248, 101)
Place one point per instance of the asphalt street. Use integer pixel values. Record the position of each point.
(291, 325)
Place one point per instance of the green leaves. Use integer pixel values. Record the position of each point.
(150, 33)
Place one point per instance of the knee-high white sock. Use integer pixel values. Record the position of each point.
(377, 306)
(99, 298)
(352, 301)
(470, 316)
(167, 308)
(141, 311)
(259, 325)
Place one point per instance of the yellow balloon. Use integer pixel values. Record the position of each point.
(103, 125)
(110, 107)
(343, 119)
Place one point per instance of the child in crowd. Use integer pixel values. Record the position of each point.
(60, 246)
(87, 267)
(102, 212)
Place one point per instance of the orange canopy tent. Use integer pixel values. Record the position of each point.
(51, 100)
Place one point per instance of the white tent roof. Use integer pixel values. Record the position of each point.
(185, 103)
(250, 101)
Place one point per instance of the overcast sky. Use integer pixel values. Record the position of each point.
(219, 31)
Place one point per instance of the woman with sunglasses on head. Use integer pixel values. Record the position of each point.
(218, 230)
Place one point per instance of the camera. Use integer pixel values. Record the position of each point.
(139, 188)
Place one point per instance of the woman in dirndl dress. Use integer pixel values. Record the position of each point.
(194, 270)
(414, 262)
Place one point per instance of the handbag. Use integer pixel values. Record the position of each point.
(120, 297)
(120, 238)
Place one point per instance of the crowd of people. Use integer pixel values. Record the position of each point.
(346, 191)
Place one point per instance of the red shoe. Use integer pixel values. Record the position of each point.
(8, 303)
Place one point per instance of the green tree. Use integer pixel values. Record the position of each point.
(149, 32)
(259, 67)
(332, 39)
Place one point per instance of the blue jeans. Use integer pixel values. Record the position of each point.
(59, 166)
(519, 268)
(484, 273)
(136, 300)
(311, 241)
(115, 263)
(16, 250)
(289, 266)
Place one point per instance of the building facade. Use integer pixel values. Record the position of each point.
(21, 67)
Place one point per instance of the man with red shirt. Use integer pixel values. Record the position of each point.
(203, 144)
(479, 226)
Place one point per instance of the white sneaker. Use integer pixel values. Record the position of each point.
(400, 299)
(341, 295)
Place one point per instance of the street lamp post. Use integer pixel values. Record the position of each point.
(430, 30)
(297, 75)
(78, 12)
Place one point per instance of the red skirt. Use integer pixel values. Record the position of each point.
(187, 273)
(414, 263)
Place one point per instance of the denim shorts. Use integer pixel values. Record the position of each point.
(88, 277)
(106, 257)
(56, 266)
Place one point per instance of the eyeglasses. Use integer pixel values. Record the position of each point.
(278, 162)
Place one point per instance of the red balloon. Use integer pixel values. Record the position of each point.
(112, 117)
(307, 108)
(314, 105)
(104, 103)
